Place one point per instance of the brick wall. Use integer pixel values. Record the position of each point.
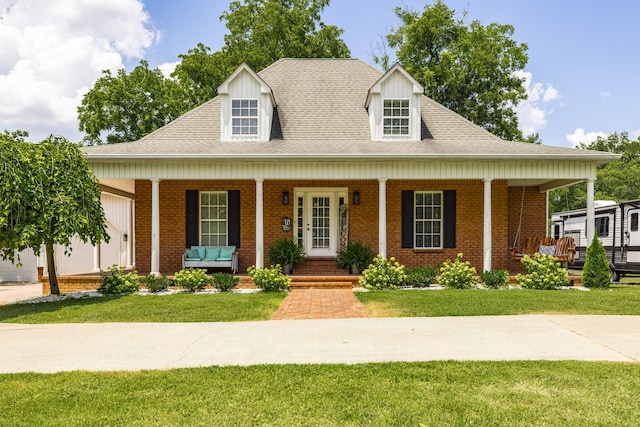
(533, 215)
(363, 218)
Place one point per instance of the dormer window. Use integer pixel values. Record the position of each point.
(394, 105)
(244, 117)
(396, 117)
(246, 107)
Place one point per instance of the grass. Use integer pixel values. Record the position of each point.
(222, 307)
(620, 300)
(391, 394)
(228, 307)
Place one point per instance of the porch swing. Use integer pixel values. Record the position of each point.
(563, 249)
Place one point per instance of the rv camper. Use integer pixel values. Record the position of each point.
(616, 225)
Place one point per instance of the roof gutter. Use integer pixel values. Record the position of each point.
(600, 158)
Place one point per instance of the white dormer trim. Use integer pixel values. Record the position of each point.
(265, 89)
(246, 84)
(395, 84)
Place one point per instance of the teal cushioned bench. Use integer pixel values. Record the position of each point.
(211, 256)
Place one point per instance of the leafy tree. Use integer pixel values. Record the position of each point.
(260, 33)
(467, 68)
(595, 273)
(126, 107)
(48, 195)
(615, 180)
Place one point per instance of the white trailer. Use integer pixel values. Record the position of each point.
(617, 228)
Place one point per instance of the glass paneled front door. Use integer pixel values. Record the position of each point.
(318, 222)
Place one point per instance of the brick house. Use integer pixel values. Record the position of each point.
(330, 150)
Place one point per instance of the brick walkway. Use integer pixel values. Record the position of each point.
(320, 304)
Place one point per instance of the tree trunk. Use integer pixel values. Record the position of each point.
(51, 266)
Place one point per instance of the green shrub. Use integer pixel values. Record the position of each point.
(356, 254)
(192, 279)
(420, 277)
(458, 274)
(383, 273)
(495, 278)
(117, 282)
(595, 273)
(543, 272)
(156, 284)
(287, 251)
(225, 282)
(269, 279)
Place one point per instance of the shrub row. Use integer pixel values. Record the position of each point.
(117, 282)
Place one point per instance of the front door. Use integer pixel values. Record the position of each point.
(318, 221)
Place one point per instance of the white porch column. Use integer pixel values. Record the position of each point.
(591, 221)
(155, 227)
(259, 224)
(96, 258)
(130, 235)
(382, 217)
(487, 241)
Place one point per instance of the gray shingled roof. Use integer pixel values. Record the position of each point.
(321, 114)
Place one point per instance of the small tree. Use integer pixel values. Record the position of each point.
(595, 273)
(48, 195)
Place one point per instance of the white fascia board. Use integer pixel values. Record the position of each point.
(456, 157)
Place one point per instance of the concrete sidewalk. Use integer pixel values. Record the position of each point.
(136, 346)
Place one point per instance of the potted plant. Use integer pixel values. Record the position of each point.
(355, 256)
(287, 252)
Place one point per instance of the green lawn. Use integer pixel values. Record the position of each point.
(227, 307)
(619, 299)
(413, 394)
(223, 307)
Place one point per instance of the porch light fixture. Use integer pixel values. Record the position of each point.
(356, 197)
(285, 197)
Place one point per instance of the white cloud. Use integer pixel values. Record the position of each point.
(167, 68)
(52, 51)
(634, 134)
(580, 136)
(533, 112)
(604, 95)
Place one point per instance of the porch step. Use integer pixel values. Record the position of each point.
(320, 285)
(316, 282)
(319, 267)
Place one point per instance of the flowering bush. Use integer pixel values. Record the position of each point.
(543, 272)
(383, 273)
(458, 274)
(192, 279)
(269, 279)
(116, 282)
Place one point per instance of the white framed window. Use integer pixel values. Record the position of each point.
(395, 117)
(428, 219)
(213, 218)
(244, 117)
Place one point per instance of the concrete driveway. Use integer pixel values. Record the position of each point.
(12, 292)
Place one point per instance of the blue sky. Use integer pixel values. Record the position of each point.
(582, 73)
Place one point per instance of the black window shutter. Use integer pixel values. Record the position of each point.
(192, 227)
(449, 218)
(407, 218)
(233, 219)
